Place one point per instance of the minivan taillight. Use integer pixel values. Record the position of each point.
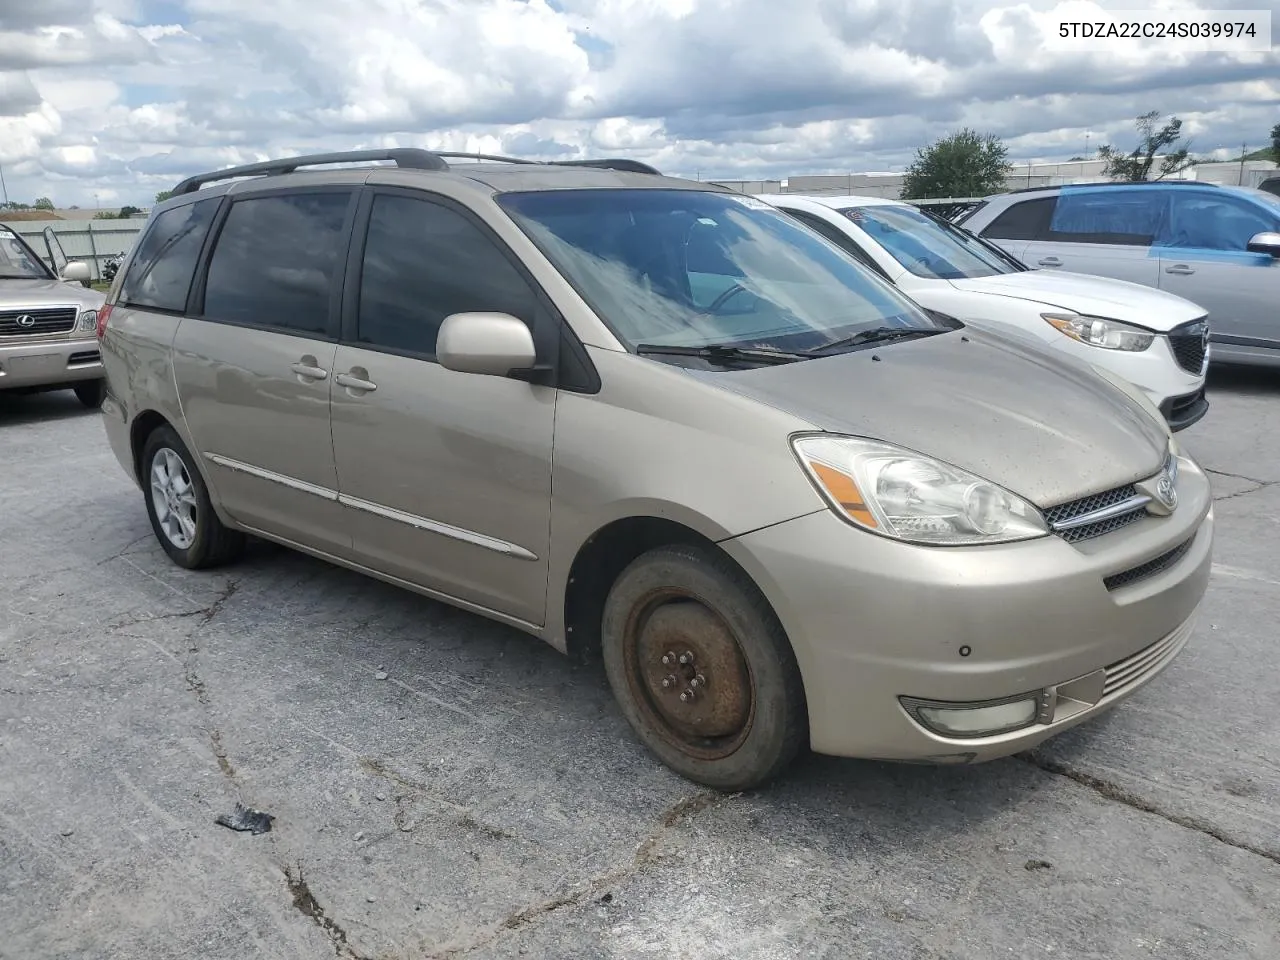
(104, 312)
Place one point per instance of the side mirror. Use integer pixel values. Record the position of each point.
(76, 271)
(1268, 242)
(491, 344)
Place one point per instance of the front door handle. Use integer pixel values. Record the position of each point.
(1179, 269)
(308, 369)
(356, 381)
(1050, 262)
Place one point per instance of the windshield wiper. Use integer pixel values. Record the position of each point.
(718, 352)
(878, 335)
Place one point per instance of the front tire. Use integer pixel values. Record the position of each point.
(702, 670)
(178, 504)
(91, 393)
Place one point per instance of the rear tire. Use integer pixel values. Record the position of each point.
(179, 507)
(91, 393)
(702, 670)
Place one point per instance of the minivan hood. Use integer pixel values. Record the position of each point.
(1047, 428)
(40, 293)
(1093, 296)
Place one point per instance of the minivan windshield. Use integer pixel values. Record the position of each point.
(672, 271)
(17, 262)
(925, 247)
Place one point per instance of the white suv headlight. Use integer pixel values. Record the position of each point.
(88, 320)
(905, 495)
(1100, 332)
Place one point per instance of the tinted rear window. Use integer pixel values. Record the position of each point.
(1026, 220)
(276, 260)
(160, 274)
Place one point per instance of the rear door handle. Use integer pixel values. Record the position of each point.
(1050, 262)
(306, 369)
(356, 383)
(1180, 269)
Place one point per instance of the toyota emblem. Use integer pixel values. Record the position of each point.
(26, 320)
(1166, 492)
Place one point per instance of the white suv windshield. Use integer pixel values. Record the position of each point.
(688, 269)
(925, 247)
(16, 261)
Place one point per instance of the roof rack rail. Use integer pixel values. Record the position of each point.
(611, 163)
(492, 157)
(1118, 183)
(406, 157)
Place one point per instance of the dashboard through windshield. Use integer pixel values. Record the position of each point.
(692, 269)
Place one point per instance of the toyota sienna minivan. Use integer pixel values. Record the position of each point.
(662, 423)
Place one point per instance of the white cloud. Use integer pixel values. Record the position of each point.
(94, 97)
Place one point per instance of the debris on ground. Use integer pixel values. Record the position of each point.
(1038, 865)
(380, 675)
(245, 819)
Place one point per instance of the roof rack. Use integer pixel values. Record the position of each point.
(405, 157)
(409, 158)
(1118, 183)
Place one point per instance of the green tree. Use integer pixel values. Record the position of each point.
(127, 211)
(104, 215)
(43, 203)
(163, 195)
(965, 164)
(1275, 143)
(1165, 141)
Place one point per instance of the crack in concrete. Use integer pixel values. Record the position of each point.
(1257, 484)
(307, 905)
(1119, 794)
(647, 853)
(195, 683)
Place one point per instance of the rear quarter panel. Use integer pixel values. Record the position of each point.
(136, 355)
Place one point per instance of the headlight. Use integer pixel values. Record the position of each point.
(905, 495)
(88, 320)
(1097, 332)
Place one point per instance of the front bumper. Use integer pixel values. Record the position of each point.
(872, 620)
(49, 362)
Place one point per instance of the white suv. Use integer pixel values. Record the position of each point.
(1155, 340)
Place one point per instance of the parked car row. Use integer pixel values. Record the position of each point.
(1217, 246)
(668, 425)
(1155, 340)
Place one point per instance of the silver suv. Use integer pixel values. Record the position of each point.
(47, 322)
(1217, 246)
(664, 423)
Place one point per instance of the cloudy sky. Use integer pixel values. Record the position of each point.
(121, 98)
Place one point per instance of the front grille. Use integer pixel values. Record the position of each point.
(1148, 569)
(27, 323)
(1098, 501)
(1125, 673)
(1188, 343)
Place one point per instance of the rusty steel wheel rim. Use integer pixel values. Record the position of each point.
(688, 674)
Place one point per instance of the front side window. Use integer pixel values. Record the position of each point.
(276, 261)
(1117, 216)
(424, 261)
(17, 262)
(1206, 221)
(690, 269)
(925, 247)
(160, 274)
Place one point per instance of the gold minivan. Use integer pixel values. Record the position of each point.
(662, 423)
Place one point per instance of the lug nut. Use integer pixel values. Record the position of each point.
(686, 658)
(668, 659)
(669, 682)
(684, 697)
(697, 682)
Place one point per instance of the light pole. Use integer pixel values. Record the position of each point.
(3, 187)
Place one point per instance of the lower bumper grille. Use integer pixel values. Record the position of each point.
(27, 323)
(1148, 569)
(1182, 412)
(1131, 670)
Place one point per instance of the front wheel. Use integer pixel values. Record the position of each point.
(702, 670)
(91, 393)
(178, 504)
